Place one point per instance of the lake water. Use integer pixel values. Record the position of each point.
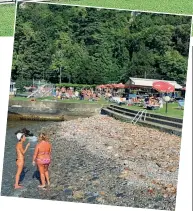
(9, 167)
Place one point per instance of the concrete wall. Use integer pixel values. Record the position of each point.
(53, 107)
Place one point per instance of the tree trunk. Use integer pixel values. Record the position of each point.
(60, 75)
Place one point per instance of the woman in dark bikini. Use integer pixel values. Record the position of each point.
(20, 157)
(42, 158)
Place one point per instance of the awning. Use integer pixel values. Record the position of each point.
(143, 82)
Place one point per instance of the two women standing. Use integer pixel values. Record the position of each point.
(41, 158)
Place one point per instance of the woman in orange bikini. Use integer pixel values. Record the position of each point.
(20, 157)
(42, 157)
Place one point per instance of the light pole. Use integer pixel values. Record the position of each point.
(166, 99)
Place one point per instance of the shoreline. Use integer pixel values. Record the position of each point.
(104, 161)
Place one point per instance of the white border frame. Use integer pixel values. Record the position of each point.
(184, 194)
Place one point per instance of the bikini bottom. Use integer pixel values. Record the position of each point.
(43, 161)
(19, 162)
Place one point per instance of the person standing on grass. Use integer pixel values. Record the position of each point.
(20, 157)
(42, 157)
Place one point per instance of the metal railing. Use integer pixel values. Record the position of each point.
(42, 91)
(141, 113)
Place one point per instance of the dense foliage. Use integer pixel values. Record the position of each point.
(97, 46)
(76, 86)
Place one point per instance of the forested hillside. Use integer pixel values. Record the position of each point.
(96, 46)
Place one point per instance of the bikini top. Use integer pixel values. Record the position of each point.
(43, 153)
(44, 145)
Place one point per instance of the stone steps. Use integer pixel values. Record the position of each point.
(148, 117)
(165, 126)
(151, 114)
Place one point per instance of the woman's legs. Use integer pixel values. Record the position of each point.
(42, 175)
(20, 165)
(47, 174)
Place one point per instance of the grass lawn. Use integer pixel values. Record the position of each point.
(7, 15)
(101, 101)
(173, 110)
(166, 6)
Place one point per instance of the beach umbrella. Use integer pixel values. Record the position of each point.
(127, 86)
(113, 85)
(102, 86)
(163, 86)
(109, 85)
(120, 86)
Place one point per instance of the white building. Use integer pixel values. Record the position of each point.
(148, 83)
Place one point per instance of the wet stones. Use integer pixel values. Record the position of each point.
(124, 174)
(68, 192)
(78, 195)
(120, 194)
(96, 183)
(54, 196)
(91, 198)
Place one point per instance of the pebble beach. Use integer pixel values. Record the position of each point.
(101, 160)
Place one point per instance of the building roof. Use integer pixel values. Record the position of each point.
(149, 82)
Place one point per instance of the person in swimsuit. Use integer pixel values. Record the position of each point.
(20, 157)
(42, 157)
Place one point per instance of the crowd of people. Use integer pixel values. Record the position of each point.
(153, 102)
(83, 94)
(109, 95)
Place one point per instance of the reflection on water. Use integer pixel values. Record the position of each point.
(32, 139)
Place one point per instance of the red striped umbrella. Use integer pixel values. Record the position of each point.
(162, 86)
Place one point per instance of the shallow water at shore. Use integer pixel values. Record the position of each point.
(9, 167)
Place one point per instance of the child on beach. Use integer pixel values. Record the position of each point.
(20, 157)
(42, 157)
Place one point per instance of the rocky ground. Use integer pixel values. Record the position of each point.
(101, 160)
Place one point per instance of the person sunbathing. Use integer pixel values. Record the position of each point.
(42, 157)
(20, 160)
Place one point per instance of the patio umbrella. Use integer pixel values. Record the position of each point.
(114, 85)
(108, 85)
(102, 86)
(162, 86)
(127, 86)
(120, 86)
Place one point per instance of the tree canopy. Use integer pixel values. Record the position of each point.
(81, 45)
